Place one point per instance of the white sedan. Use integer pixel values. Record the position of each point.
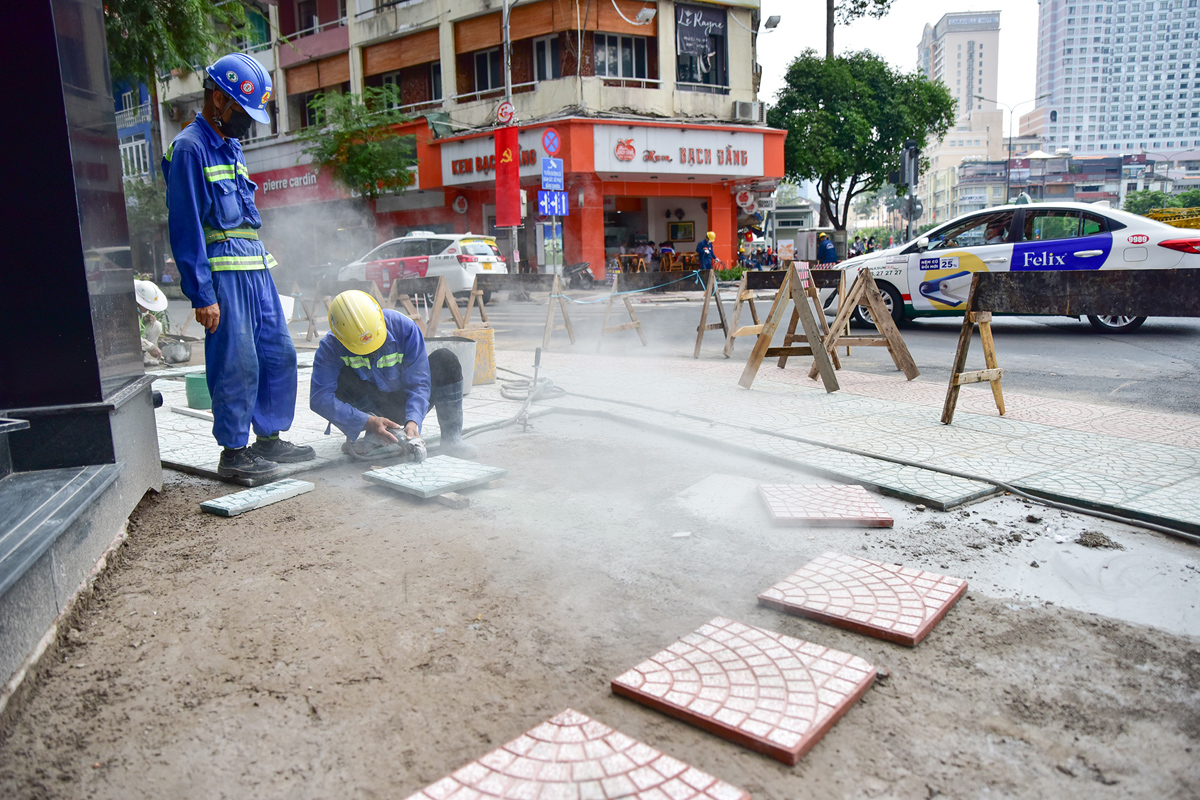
(931, 276)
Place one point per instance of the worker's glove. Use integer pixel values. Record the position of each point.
(415, 449)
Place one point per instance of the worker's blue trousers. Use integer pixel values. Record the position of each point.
(251, 361)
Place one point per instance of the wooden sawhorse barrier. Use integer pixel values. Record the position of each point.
(634, 323)
(711, 295)
(752, 281)
(791, 289)
(402, 292)
(1073, 293)
(828, 279)
(864, 291)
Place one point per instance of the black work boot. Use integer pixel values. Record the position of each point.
(272, 448)
(244, 466)
(447, 401)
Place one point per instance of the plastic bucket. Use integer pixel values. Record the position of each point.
(485, 353)
(464, 349)
(196, 385)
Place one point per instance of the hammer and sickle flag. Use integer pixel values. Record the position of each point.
(508, 179)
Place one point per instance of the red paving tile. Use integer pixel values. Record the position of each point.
(899, 604)
(766, 691)
(824, 505)
(574, 757)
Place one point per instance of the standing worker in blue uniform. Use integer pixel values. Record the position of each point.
(826, 250)
(223, 269)
(705, 249)
(372, 375)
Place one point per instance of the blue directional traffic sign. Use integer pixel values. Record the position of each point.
(553, 204)
(552, 174)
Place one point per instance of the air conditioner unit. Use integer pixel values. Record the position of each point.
(748, 112)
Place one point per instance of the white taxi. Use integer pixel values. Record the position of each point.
(931, 276)
(456, 257)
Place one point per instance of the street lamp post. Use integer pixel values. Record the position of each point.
(1011, 113)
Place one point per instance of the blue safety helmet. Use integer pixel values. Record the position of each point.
(243, 78)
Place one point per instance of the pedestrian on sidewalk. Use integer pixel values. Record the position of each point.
(371, 375)
(705, 249)
(223, 270)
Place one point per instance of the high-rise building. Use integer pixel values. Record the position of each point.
(961, 51)
(1119, 77)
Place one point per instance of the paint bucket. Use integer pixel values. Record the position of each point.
(196, 384)
(463, 349)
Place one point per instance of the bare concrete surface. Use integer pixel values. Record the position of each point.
(352, 643)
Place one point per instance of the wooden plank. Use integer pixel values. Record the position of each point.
(774, 317)
(989, 358)
(812, 333)
(979, 376)
(759, 280)
(711, 295)
(550, 316)
(748, 330)
(627, 326)
(790, 350)
(1138, 293)
(960, 361)
(452, 500)
(731, 332)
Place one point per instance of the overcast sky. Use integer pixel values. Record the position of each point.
(896, 36)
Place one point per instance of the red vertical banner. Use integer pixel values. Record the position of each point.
(508, 178)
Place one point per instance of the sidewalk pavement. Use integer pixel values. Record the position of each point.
(1133, 463)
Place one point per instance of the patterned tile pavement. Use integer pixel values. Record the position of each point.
(823, 505)
(249, 499)
(766, 691)
(434, 476)
(899, 604)
(1117, 457)
(574, 757)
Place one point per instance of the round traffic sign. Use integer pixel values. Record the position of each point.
(504, 112)
(551, 142)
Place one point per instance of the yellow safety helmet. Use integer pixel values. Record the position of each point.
(712, 237)
(357, 321)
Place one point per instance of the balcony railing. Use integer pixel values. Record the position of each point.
(317, 28)
(129, 117)
(135, 160)
(709, 88)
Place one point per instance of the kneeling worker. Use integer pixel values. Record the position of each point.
(371, 374)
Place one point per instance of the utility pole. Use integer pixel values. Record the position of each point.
(513, 252)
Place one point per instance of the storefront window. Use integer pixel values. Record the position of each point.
(701, 46)
(620, 56)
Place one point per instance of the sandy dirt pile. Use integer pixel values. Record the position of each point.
(352, 643)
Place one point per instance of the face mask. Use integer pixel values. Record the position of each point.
(238, 124)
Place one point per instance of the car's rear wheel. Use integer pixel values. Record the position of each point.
(891, 298)
(1115, 324)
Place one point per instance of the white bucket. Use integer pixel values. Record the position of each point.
(463, 349)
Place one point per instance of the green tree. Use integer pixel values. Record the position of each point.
(847, 119)
(1188, 199)
(358, 143)
(147, 38)
(1147, 200)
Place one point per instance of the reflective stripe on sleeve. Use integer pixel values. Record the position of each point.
(390, 360)
(225, 172)
(356, 362)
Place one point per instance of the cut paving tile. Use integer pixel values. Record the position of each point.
(899, 604)
(240, 502)
(434, 476)
(574, 757)
(823, 505)
(766, 691)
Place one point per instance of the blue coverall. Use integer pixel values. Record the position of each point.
(705, 249)
(250, 358)
(399, 365)
(826, 252)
